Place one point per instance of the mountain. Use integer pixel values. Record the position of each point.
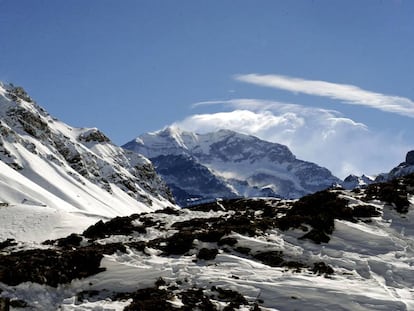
(404, 168)
(331, 250)
(228, 164)
(353, 181)
(50, 170)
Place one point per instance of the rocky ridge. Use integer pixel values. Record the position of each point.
(46, 163)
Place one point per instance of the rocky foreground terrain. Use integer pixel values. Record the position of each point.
(332, 250)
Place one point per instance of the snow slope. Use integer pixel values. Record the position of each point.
(245, 165)
(371, 257)
(49, 169)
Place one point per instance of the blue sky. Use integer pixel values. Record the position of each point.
(132, 66)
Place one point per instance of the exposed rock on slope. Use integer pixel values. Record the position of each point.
(69, 169)
(403, 169)
(334, 249)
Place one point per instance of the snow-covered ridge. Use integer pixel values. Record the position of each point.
(245, 165)
(47, 163)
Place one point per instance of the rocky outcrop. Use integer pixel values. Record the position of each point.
(404, 168)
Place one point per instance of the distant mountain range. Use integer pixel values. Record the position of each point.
(227, 164)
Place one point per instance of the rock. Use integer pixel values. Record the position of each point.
(322, 268)
(179, 243)
(207, 254)
(46, 266)
(234, 298)
(4, 304)
(115, 226)
(272, 258)
(7, 243)
(409, 158)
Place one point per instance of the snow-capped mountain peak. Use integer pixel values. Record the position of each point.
(243, 165)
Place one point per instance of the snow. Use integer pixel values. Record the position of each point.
(372, 261)
(46, 186)
(244, 163)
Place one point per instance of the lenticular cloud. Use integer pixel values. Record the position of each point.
(349, 94)
(318, 135)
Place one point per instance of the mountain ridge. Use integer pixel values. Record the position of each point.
(248, 165)
(78, 169)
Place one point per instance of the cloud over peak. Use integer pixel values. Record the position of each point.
(322, 136)
(349, 94)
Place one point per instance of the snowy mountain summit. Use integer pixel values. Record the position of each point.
(64, 176)
(228, 164)
(354, 181)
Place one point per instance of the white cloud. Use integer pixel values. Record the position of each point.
(349, 94)
(318, 135)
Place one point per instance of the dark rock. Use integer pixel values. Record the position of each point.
(394, 192)
(139, 245)
(227, 241)
(179, 243)
(409, 158)
(211, 235)
(322, 268)
(317, 236)
(207, 254)
(150, 299)
(48, 266)
(18, 303)
(4, 304)
(94, 135)
(366, 211)
(160, 282)
(196, 223)
(295, 265)
(7, 243)
(70, 241)
(272, 258)
(318, 210)
(234, 298)
(106, 249)
(194, 299)
(115, 226)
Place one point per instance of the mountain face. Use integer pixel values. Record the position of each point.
(353, 181)
(51, 168)
(331, 250)
(228, 164)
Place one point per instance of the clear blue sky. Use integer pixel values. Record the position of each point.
(132, 66)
